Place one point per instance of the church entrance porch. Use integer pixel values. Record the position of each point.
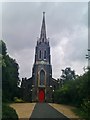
(41, 95)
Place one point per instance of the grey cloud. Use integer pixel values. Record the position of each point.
(21, 27)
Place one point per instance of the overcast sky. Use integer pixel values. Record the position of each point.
(67, 29)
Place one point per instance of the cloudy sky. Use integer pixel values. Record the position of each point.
(67, 29)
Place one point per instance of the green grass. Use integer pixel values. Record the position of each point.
(81, 113)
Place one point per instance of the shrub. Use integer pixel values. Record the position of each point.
(86, 107)
(62, 96)
(8, 113)
(18, 100)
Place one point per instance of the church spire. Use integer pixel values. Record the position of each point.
(43, 29)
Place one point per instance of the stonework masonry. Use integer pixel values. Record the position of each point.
(41, 79)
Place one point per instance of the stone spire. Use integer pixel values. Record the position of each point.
(43, 30)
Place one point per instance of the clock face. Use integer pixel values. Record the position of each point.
(42, 62)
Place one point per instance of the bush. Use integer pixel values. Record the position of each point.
(18, 100)
(77, 93)
(83, 115)
(86, 107)
(8, 113)
(62, 96)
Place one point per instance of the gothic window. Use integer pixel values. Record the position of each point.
(43, 40)
(40, 54)
(42, 77)
(45, 54)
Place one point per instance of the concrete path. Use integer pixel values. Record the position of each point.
(44, 110)
(24, 110)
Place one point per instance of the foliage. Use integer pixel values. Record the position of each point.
(18, 100)
(79, 112)
(3, 49)
(8, 113)
(9, 75)
(86, 107)
(67, 75)
(76, 92)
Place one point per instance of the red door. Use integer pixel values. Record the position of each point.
(41, 95)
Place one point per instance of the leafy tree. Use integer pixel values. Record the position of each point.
(76, 92)
(3, 49)
(67, 74)
(9, 75)
(2, 53)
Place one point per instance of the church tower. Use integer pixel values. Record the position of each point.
(41, 86)
(42, 69)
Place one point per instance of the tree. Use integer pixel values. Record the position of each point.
(3, 49)
(67, 74)
(9, 75)
(76, 92)
(2, 53)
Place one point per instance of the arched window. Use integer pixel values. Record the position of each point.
(42, 77)
(40, 54)
(43, 40)
(45, 54)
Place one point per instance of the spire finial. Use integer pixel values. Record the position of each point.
(43, 29)
(43, 13)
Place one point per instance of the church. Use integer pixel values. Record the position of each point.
(41, 86)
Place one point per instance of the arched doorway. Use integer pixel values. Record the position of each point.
(41, 95)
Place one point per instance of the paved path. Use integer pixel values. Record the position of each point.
(24, 110)
(44, 110)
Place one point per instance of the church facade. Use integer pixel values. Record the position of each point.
(41, 86)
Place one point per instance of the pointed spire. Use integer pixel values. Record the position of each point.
(43, 29)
